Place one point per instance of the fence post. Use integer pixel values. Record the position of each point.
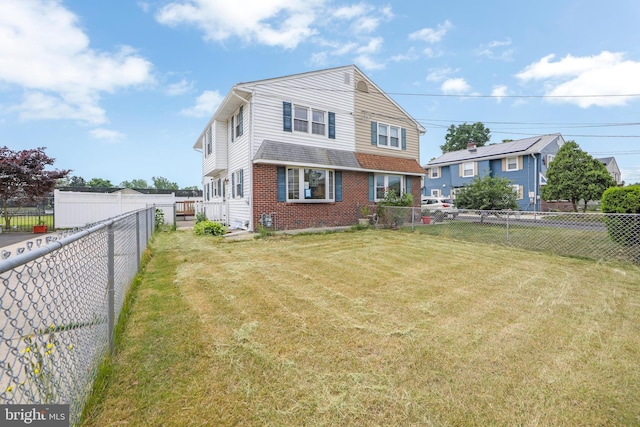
(138, 239)
(111, 287)
(508, 212)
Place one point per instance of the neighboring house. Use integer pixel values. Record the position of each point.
(306, 150)
(612, 167)
(524, 162)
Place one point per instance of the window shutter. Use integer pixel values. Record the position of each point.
(220, 188)
(374, 133)
(372, 188)
(233, 130)
(408, 178)
(460, 169)
(286, 116)
(504, 164)
(282, 185)
(338, 175)
(332, 125)
(241, 183)
(520, 163)
(240, 121)
(404, 138)
(233, 185)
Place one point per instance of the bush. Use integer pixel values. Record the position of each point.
(159, 219)
(209, 228)
(622, 229)
(201, 216)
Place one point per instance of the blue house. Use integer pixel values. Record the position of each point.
(524, 162)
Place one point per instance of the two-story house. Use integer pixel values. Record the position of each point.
(524, 161)
(306, 150)
(613, 169)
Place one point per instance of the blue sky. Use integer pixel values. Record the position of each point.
(121, 89)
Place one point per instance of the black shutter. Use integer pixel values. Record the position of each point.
(286, 116)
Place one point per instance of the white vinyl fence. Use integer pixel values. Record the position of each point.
(77, 209)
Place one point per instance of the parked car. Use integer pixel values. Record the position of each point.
(440, 204)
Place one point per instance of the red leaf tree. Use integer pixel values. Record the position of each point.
(23, 178)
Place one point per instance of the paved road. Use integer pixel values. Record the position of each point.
(13, 237)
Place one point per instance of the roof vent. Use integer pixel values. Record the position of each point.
(362, 86)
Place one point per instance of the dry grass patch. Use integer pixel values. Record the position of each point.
(375, 328)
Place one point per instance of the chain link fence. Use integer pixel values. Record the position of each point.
(59, 304)
(595, 236)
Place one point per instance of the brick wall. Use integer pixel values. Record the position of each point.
(290, 216)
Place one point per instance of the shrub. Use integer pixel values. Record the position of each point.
(623, 229)
(159, 218)
(201, 216)
(209, 227)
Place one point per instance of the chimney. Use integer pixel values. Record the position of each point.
(471, 146)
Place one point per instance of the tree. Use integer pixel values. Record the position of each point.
(160, 183)
(574, 175)
(23, 178)
(458, 137)
(136, 183)
(99, 183)
(487, 193)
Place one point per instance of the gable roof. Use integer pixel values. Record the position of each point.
(496, 151)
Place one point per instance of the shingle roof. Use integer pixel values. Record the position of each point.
(374, 162)
(520, 146)
(287, 153)
(304, 154)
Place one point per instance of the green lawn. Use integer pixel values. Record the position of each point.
(373, 328)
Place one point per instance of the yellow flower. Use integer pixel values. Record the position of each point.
(52, 326)
(48, 353)
(9, 389)
(36, 371)
(70, 346)
(49, 346)
(26, 350)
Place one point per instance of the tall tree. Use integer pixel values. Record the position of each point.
(487, 193)
(161, 183)
(574, 175)
(99, 183)
(136, 183)
(24, 178)
(458, 137)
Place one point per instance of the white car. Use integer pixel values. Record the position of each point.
(440, 204)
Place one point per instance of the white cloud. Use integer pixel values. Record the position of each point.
(455, 86)
(205, 106)
(440, 74)
(179, 88)
(106, 134)
(499, 92)
(496, 49)
(44, 51)
(283, 23)
(430, 35)
(573, 77)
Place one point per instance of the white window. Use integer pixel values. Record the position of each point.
(303, 115)
(550, 158)
(435, 193)
(237, 184)
(468, 169)
(301, 119)
(310, 185)
(388, 182)
(388, 136)
(318, 122)
(512, 163)
(519, 190)
(434, 172)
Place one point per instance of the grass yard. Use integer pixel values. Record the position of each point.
(373, 328)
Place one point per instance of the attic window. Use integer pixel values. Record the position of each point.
(362, 86)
